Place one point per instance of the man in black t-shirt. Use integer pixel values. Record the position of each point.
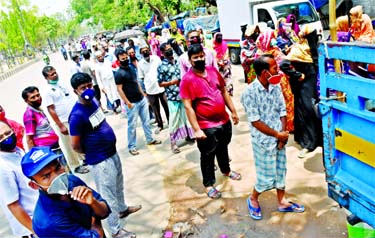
(132, 94)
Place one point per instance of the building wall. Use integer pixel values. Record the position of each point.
(368, 6)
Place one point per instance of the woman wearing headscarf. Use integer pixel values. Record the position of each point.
(248, 49)
(286, 36)
(301, 66)
(291, 18)
(267, 44)
(361, 25)
(222, 59)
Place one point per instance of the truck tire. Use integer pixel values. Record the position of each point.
(234, 54)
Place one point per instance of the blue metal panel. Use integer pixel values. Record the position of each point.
(351, 182)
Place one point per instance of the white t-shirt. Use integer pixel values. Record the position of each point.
(148, 71)
(60, 96)
(14, 187)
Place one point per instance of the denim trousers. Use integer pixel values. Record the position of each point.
(139, 109)
(109, 181)
(216, 144)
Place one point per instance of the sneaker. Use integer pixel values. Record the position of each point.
(158, 130)
(130, 210)
(82, 169)
(302, 154)
(124, 234)
(134, 151)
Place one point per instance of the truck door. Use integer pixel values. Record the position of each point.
(349, 130)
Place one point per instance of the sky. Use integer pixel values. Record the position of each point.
(49, 7)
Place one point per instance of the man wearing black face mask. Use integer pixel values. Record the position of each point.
(194, 37)
(205, 99)
(66, 206)
(132, 94)
(37, 127)
(17, 199)
(91, 135)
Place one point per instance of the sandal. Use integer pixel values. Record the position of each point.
(134, 152)
(255, 213)
(154, 142)
(294, 207)
(233, 175)
(214, 193)
(175, 149)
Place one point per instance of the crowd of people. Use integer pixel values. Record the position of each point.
(193, 85)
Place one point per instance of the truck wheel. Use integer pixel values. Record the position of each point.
(234, 54)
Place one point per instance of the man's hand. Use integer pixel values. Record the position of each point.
(175, 82)
(235, 118)
(280, 145)
(82, 194)
(130, 105)
(199, 135)
(63, 129)
(282, 136)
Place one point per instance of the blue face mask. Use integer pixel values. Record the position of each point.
(88, 94)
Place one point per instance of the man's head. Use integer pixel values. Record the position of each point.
(167, 50)
(75, 58)
(193, 37)
(123, 58)
(86, 54)
(82, 86)
(50, 74)
(131, 42)
(8, 139)
(266, 69)
(42, 166)
(130, 51)
(32, 97)
(197, 57)
(105, 46)
(99, 56)
(145, 52)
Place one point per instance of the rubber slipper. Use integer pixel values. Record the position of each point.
(253, 211)
(233, 175)
(154, 142)
(294, 207)
(214, 193)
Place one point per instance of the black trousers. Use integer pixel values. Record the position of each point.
(155, 105)
(216, 144)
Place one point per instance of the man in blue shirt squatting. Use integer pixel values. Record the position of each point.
(66, 207)
(90, 134)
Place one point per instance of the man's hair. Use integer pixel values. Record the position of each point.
(120, 51)
(129, 48)
(79, 79)
(86, 54)
(130, 40)
(191, 31)
(46, 69)
(75, 57)
(261, 64)
(26, 91)
(194, 49)
(163, 46)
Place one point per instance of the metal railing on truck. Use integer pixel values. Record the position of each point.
(349, 128)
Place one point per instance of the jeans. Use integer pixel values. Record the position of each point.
(216, 144)
(109, 182)
(139, 109)
(154, 103)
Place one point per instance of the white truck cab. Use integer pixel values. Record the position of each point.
(265, 13)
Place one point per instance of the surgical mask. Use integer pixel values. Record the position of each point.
(53, 82)
(88, 94)
(168, 53)
(124, 63)
(195, 40)
(59, 185)
(9, 143)
(199, 65)
(274, 79)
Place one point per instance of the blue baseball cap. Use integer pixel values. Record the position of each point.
(36, 159)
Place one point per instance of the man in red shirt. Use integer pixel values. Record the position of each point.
(203, 93)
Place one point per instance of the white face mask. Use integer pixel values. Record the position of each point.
(59, 185)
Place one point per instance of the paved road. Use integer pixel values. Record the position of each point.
(169, 186)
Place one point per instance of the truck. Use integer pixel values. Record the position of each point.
(265, 13)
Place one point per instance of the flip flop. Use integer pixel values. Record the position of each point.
(253, 210)
(294, 207)
(233, 175)
(214, 193)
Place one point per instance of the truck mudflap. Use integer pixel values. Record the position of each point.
(349, 129)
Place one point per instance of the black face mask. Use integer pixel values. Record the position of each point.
(199, 65)
(146, 54)
(124, 63)
(254, 36)
(219, 40)
(195, 40)
(9, 143)
(35, 104)
(168, 53)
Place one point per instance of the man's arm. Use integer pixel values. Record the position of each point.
(52, 111)
(76, 144)
(265, 129)
(85, 195)
(30, 141)
(199, 134)
(123, 96)
(21, 215)
(230, 105)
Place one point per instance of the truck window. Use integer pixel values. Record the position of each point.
(303, 12)
(264, 16)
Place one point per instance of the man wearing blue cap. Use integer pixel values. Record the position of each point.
(91, 135)
(66, 206)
